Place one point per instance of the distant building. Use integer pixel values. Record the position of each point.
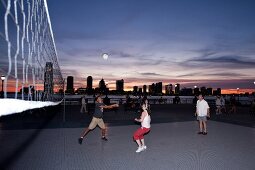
(48, 81)
(196, 91)
(218, 91)
(209, 91)
(120, 86)
(203, 90)
(169, 89)
(186, 92)
(89, 82)
(177, 89)
(159, 88)
(144, 89)
(69, 87)
(140, 91)
(135, 90)
(152, 89)
(102, 86)
(81, 90)
(89, 88)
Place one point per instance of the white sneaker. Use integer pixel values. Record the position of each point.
(139, 149)
(144, 147)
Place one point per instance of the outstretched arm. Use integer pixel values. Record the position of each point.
(109, 106)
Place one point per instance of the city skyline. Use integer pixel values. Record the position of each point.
(95, 84)
(188, 42)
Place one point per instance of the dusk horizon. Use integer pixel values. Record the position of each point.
(191, 43)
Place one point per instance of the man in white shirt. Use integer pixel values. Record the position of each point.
(202, 112)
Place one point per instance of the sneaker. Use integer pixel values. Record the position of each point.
(204, 133)
(104, 138)
(80, 140)
(139, 149)
(200, 133)
(144, 147)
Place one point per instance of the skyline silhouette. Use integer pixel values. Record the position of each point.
(207, 43)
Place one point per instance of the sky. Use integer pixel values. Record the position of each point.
(204, 43)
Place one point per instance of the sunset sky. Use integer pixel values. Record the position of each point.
(198, 42)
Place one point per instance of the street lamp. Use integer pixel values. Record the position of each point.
(2, 78)
(237, 94)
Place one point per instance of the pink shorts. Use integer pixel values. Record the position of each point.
(139, 133)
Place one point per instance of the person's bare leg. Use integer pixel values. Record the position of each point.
(138, 143)
(143, 144)
(85, 132)
(205, 127)
(201, 126)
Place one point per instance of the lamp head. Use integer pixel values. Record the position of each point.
(2, 77)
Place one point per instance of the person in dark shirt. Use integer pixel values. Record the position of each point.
(97, 118)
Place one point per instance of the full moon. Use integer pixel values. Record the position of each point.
(105, 56)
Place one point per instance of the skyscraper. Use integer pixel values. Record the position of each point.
(48, 81)
(135, 90)
(177, 89)
(203, 90)
(144, 89)
(102, 86)
(159, 88)
(152, 89)
(89, 82)
(69, 87)
(120, 86)
(169, 89)
(209, 91)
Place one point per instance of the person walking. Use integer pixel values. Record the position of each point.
(97, 119)
(83, 105)
(202, 113)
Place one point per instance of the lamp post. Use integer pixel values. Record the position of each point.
(2, 92)
(195, 92)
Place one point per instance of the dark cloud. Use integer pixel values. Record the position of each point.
(150, 74)
(221, 74)
(226, 62)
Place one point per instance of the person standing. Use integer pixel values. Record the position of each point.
(233, 104)
(145, 120)
(218, 105)
(83, 105)
(223, 104)
(202, 113)
(97, 119)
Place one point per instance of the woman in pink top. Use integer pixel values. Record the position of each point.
(145, 120)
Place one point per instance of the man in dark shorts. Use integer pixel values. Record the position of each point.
(97, 119)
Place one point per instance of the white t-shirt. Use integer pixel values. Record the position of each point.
(202, 107)
(146, 121)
